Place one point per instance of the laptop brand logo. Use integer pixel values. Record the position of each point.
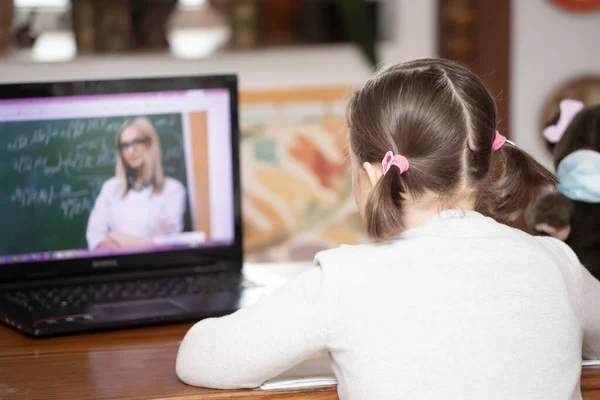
(104, 263)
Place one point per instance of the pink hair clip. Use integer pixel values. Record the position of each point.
(399, 161)
(568, 110)
(499, 141)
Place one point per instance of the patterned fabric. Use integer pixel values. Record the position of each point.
(296, 181)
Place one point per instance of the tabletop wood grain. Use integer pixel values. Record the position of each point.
(129, 364)
(136, 364)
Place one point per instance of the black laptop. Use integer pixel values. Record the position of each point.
(120, 203)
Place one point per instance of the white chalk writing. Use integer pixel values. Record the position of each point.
(73, 207)
(74, 130)
(18, 143)
(173, 153)
(66, 164)
(70, 163)
(46, 132)
(24, 164)
(170, 122)
(70, 202)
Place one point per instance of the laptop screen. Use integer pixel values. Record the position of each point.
(115, 174)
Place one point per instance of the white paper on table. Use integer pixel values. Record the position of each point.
(313, 372)
(317, 371)
(586, 363)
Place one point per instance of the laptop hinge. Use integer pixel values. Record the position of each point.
(121, 275)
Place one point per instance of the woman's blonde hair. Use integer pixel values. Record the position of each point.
(152, 167)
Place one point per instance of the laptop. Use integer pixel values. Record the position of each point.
(120, 203)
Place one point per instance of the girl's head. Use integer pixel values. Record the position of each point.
(442, 119)
(139, 153)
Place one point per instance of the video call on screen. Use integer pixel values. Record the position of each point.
(115, 174)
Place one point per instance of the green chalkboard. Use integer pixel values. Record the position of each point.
(52, 170)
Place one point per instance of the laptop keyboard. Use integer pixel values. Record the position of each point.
(50, 298)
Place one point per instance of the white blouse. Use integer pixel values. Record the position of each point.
(138, 213)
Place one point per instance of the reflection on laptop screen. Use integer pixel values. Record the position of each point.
(115, 174)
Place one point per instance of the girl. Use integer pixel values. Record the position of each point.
(450, 303)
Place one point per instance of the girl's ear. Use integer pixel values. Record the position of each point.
(374, 172)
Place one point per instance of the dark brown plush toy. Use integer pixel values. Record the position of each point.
(572, 213)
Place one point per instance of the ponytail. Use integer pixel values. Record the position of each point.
(383, 214)
(517, 181)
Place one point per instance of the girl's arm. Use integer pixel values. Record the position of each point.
(591, 316)
(245, 349)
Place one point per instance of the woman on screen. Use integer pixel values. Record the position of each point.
(139, 204)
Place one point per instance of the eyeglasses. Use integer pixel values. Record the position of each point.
(135, 144)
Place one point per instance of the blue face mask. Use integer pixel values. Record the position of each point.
(579, 176)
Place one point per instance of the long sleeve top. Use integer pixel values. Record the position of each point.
(461, 307)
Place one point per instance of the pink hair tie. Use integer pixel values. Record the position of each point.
(399, 161)
(499, 141)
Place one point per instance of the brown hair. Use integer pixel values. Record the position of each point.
(152, 168)
(442, 118)
(582, 132)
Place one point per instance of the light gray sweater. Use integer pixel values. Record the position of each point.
(461, 307)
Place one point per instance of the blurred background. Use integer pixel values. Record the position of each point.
(297, 60)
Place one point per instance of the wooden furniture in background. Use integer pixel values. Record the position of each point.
(281, 22)
(477, 33)
(119, 26)
(6, 23)
(131, 364)
(101, 26)
(265, 23)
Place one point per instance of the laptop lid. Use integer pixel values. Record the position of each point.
(113, 175)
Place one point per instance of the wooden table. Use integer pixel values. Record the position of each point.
(130, 364)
